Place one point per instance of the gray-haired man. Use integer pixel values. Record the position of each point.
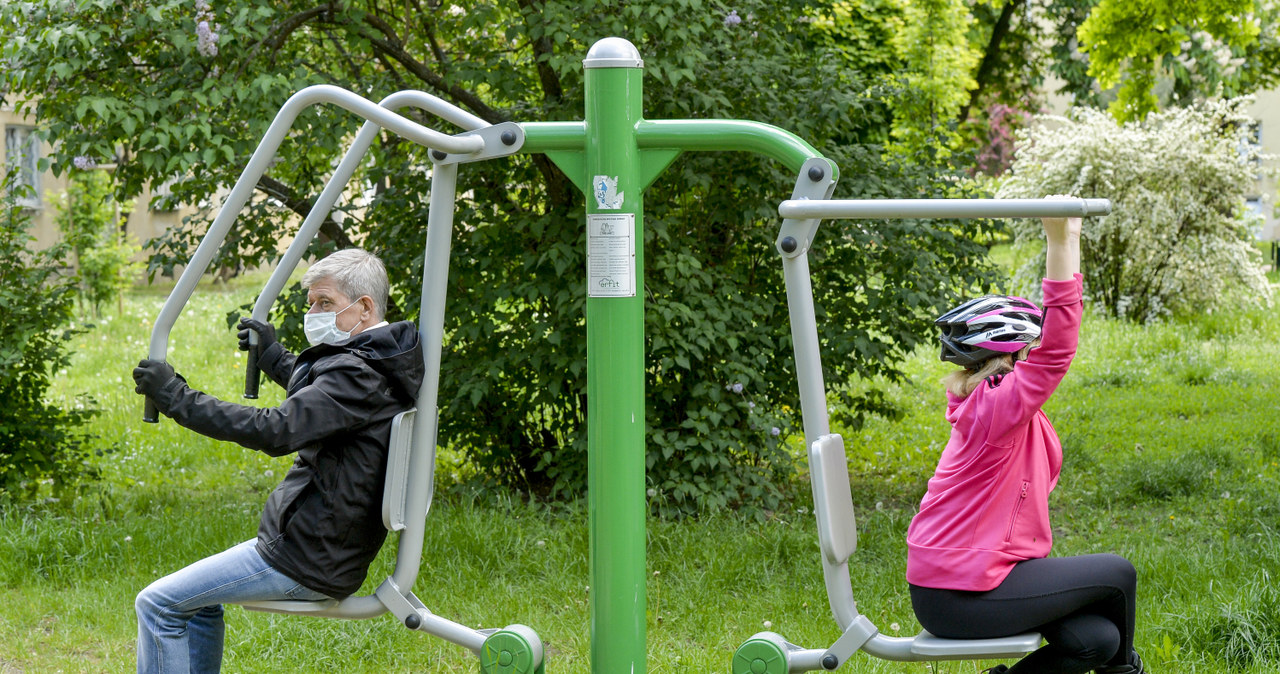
(321, 527)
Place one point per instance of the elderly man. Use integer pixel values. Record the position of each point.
(322, 526)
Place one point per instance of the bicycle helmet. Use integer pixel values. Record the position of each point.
(986, 327)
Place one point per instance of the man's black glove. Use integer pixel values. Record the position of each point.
(151, 376)
(266, 334)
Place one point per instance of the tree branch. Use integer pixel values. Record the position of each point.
(329, 229)
(551, 89)
(285, 28)
(393, 47)
(281, 32)
(992, 54)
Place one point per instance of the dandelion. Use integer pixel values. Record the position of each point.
(268, 473)
(767, 624)
(128, 539)
(895, 627)
(84, 163)
(651, 492)
(732, 19)
(775, 431)
(541, 543)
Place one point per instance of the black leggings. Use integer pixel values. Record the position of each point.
(1084, 607)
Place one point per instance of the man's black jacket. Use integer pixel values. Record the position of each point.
(322, 526)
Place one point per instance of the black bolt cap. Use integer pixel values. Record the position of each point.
(816, 173)
(789, 244)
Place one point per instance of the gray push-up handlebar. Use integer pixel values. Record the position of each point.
(853, 209)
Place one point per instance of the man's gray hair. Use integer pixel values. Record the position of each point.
(356, 273)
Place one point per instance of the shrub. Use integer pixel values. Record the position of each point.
(103, 253)
(38, 439)
(1178, 239)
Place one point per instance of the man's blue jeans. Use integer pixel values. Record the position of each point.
(180, 626)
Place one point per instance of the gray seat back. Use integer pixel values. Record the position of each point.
(395, 490)
(832, 501)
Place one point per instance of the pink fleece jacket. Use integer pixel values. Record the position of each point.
(987, 507)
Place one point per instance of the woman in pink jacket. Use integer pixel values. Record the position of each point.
(978, 549)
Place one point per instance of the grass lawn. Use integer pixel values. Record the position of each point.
(1172, 459)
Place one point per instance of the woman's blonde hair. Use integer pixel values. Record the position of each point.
(962, 382)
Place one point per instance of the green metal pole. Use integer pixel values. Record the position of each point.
(615, 357)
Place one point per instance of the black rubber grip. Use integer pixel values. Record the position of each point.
(252, 375)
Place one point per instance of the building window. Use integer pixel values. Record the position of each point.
(1257, 219)
(1251, 145)
(22, 154)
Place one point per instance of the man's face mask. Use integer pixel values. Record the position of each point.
(322, 327)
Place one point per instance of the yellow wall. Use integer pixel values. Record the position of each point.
(143, 224)
(1266, 109)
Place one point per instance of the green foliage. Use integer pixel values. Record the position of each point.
(1178, 240)
(513, 379)
(39, 440)
(1202, 44)
(103, 254)
(862, 34)
(933, 40)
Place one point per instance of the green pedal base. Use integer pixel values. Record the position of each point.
(759, 656)
(508, 652)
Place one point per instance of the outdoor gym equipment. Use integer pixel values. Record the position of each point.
(612, 156)
(411, 458)
(768, 652)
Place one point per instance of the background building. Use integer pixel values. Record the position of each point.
(22, 150)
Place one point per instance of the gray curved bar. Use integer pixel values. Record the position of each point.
(881, 209)
(257, 166)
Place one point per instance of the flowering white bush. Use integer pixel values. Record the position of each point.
(1178, 239)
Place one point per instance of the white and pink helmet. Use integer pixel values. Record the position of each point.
(988, 326)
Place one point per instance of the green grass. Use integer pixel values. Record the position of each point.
(1172, 456)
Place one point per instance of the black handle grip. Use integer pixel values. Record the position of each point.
(252, 373)
(150, 413)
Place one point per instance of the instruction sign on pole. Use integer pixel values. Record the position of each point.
(611, 255)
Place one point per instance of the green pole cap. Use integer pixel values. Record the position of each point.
(759, 656)
(613, 52)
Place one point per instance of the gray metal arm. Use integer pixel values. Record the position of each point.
(257, 166)
(338, 182)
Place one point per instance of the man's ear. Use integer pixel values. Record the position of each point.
(367, 306)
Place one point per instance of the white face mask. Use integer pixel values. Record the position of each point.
(322, 327)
